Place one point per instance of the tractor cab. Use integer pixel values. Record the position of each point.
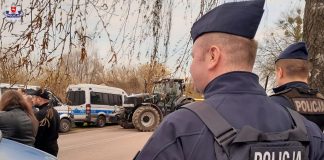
(146, 111)
(166, 92)
(169, 87)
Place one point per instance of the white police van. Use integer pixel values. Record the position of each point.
(66, 119)
(94, 104)
(6, 86)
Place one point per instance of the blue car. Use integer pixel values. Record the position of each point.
(11, 150)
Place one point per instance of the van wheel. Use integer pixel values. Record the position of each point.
(146, 118)
(101, 121)
(65, 125)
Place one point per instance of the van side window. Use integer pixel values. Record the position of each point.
(111, 99)
(115, 99)
(96, 98)
(76, 97)
(105, 99)
(118, 100)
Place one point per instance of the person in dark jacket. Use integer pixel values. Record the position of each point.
(49, 122)
(293, 91)
(17, 120)
(223, 53)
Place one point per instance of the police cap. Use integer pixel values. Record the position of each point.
(41, 93)
(294, 51)
(236, 18)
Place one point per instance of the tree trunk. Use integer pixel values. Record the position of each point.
(314, 37)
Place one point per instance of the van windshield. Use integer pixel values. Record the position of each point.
(75, 98)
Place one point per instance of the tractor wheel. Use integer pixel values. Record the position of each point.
(146, 118)
(101, 121)
(126, 125)
(65, 125)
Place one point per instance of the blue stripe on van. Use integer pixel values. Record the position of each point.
(105, 111)
(78, 111)
(93, 111)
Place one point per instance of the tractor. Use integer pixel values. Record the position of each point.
(146, 111)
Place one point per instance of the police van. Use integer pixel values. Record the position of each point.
(6, 86)
(66, 119)
(94, 104)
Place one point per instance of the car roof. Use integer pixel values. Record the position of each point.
(94, 87)
(11, 150)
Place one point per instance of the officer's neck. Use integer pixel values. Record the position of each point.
(290, 80)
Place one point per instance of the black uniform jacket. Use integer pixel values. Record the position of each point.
(47, 134)
(240, 99)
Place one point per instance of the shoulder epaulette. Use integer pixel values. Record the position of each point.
(319, 95)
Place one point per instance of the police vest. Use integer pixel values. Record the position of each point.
(308, 102)
(249, 143)
(304, 101)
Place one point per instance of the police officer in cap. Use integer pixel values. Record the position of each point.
(292, 70)
(223, 55)
(49, 121)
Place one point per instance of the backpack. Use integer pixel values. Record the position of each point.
(249, 143)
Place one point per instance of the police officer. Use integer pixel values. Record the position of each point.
(292, 71)
(223, 57)
(49, 123)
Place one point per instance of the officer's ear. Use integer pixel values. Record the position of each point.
(279, 72)
(213, 56)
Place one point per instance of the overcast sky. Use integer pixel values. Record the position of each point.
(181, 26)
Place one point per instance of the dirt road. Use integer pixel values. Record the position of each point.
(108, 143)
